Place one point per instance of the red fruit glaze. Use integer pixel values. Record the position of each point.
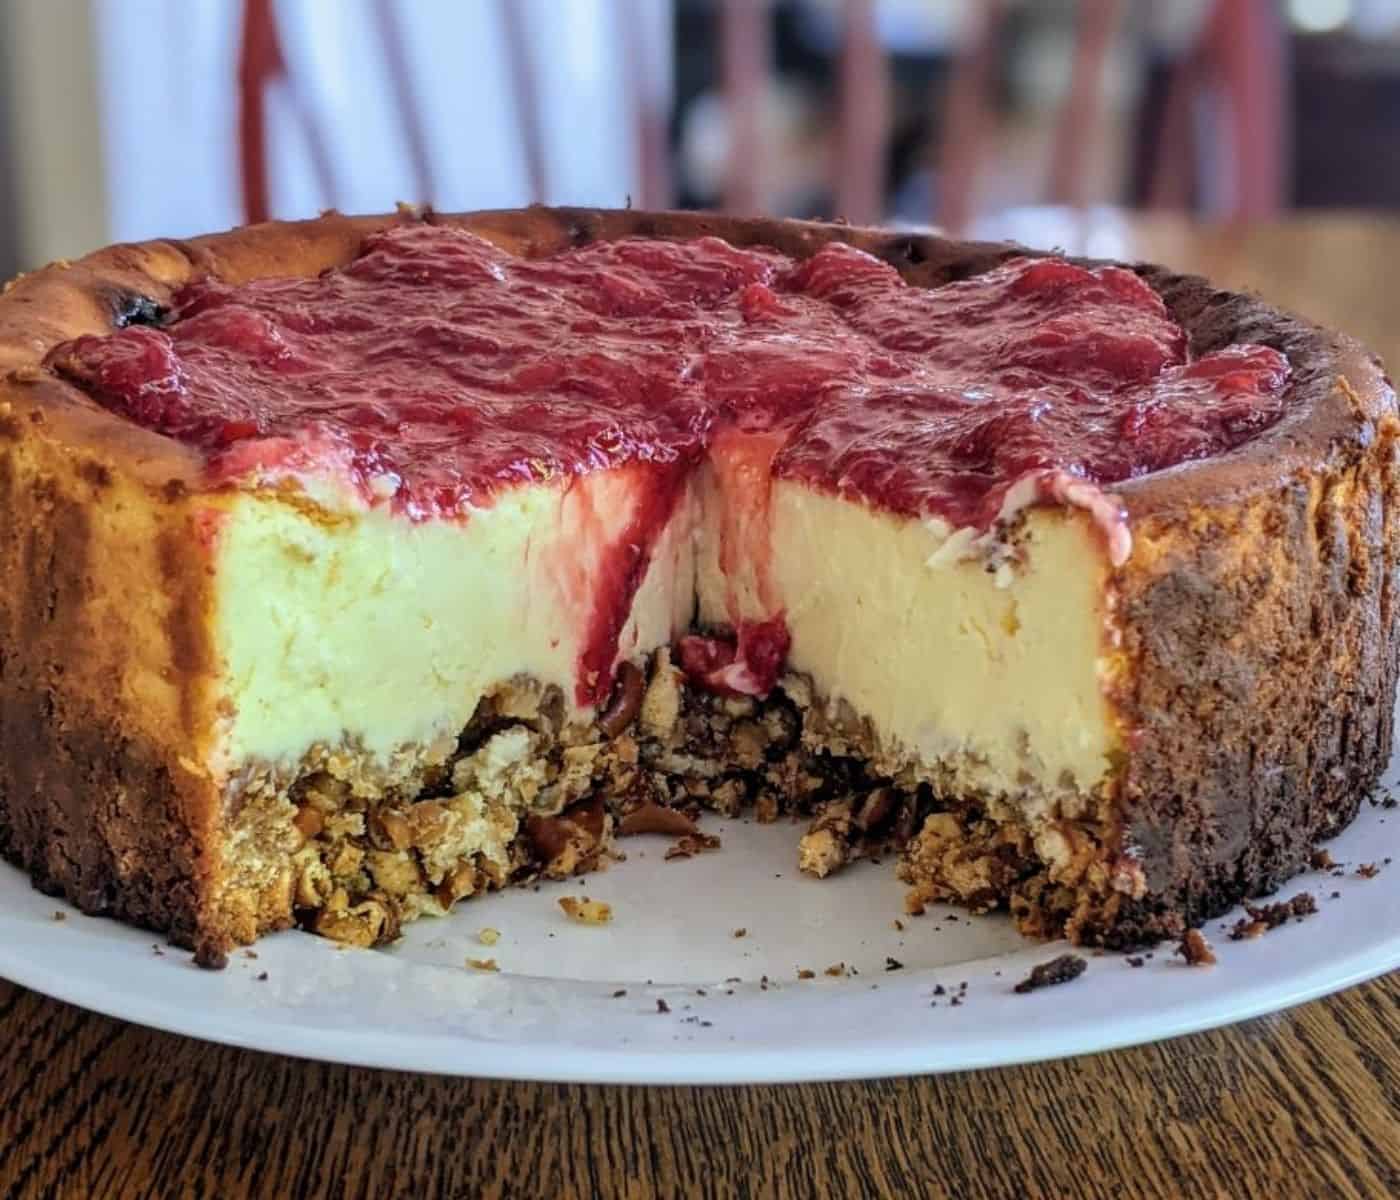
(435, 370)
(747, 664)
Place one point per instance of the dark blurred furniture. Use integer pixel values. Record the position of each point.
(1346, 117)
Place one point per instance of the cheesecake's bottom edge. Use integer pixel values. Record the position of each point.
(338, 845)
(107, 820)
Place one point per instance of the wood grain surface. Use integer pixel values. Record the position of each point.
(1304, 1103)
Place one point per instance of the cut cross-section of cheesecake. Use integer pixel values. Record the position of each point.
(362, 564)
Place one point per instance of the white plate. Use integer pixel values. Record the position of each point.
(552, 1011)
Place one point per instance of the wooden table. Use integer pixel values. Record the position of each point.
(1305, 1103)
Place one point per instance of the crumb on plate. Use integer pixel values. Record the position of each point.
(586, 911)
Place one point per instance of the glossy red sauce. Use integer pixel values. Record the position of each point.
(435, 370)
(747, 663)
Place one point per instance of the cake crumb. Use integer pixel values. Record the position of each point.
(899, 925)
(586, 911)
(1322, 860)
(893, 964)
(805, 973)
(1060, 970)
(662, 1006)
(488, 936)
(617, 995)
(820, 852)
(250, 954)
(691, 845)
(837, 969)
(1368, 870)
(262, 976)
(1136, 960)
(211, 958)
(652, 817)
(483, 964)
(1270, 916)
(741, 932)
(59, 916)
(1195, 949)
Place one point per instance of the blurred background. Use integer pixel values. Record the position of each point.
(127, 119)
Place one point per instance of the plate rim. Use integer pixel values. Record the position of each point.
(522, 1061)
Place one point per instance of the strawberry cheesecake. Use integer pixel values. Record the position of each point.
(360, 565)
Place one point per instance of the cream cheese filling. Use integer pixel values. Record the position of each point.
(369, 628)
(989, 670)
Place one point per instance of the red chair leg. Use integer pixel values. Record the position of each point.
(965, 117)
(259, 62)
(864, 121)
(744, 49)
(1078, 122)
(648, 113)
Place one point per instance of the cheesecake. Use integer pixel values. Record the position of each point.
(358, 566)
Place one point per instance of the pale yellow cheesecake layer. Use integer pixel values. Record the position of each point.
(363, 626)
(996, 675)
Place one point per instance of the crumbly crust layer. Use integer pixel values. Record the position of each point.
(340, 847)
(1255, 617)
(336, 848)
